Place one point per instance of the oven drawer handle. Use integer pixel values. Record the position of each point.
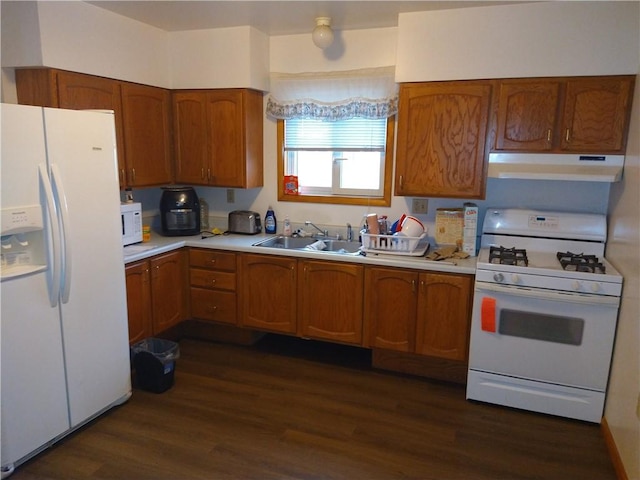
(549, 295)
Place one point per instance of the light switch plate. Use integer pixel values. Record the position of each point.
(231, 195)
(419, 205)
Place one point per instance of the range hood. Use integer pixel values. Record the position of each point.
(551, 166)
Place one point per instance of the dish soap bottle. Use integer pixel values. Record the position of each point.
(270, 224)
(286, 229)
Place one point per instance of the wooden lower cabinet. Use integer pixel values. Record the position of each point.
(156, 297)
(444, 315)
(168, 295)
(422, 313)
(268, 293)
(212, 280)
(330, 297)
(139, 301)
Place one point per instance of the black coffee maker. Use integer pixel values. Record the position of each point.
(179, 211)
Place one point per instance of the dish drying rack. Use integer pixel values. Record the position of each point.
(394, 244)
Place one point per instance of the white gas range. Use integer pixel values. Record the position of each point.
(545, 312)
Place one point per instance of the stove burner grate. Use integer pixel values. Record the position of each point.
(508, 256)
(580, 262)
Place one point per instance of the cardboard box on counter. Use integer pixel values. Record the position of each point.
(470, 228)
(449, 226)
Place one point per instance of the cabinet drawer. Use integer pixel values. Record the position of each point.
(213, 279)
(215, 305)
(212, 259)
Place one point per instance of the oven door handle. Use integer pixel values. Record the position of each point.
(543, 294)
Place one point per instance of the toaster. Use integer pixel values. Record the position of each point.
(244, 221)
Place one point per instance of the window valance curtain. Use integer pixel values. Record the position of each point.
(367, 93)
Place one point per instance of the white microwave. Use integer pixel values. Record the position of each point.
(131, 219)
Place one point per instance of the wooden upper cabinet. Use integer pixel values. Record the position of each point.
(147, 138)
(596, 114)
(576, 114)
(527, 113)
(219, 137)
(190, 137)
(441, 140)
(142, 117)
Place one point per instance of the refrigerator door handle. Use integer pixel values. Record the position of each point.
(55, 260)
(65, 276)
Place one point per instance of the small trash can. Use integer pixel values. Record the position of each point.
(154, 360)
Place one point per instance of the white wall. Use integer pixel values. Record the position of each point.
(623, 250)
(520, 40)
(219, 58)
(80, 37)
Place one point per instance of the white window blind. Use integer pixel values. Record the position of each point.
(356, 134)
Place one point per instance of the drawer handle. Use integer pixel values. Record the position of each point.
(213, 281)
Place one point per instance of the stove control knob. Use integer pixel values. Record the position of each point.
(498, 277)
(595, 287)
(515, 278)
(576, 285)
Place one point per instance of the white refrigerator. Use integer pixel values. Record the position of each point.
(64, 335)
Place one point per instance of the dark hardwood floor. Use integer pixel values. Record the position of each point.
(293, 409)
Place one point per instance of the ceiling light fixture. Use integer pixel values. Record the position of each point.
(322, 35)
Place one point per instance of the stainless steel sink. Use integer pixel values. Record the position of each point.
(299, 243)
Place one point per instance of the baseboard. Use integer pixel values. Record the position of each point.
(613, 451)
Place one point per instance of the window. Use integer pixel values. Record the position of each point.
(343, 161)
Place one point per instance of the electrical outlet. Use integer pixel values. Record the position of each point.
(231, 195)
(419, 205)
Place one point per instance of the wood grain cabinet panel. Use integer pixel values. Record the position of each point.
(142, 117)
(527, 115)
(168, 281)
(444, 313)
(268, 293)
(442, 132)
(218, 137)
(156, 294)
(564, 114)
(391, 297)
(330, 301)
(139, 301)
(213, 285)
(147, 134)
(596, 114)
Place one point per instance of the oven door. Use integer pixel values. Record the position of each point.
(543, 335)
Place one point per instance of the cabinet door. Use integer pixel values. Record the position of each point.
(168, 290)
(391, 298)
(596, 113)
(330, 300)
(138, 301)
(527, 112)
(80, 92)
(442, 130)
(443, 315)
(226, 148)
(268, 293)
(234, 133)
(147, 133)
(190, 137)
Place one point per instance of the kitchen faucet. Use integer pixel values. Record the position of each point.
(349, 233)
(323, 232)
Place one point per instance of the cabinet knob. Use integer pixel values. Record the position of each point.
(213, 281)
